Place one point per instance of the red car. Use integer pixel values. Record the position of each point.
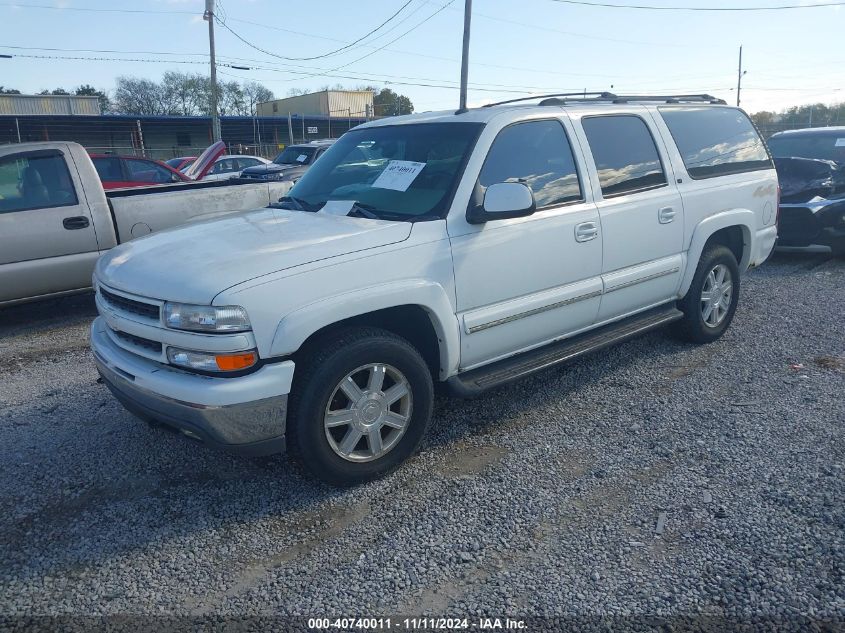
(131, 171)
(181, 162)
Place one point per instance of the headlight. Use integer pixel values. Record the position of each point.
(180, 316)
(204, 361)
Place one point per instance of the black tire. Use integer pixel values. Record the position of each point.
(317, 377)
(692, 327)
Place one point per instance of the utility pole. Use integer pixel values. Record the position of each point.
(465, 56)
(739, 73)
(215, 117)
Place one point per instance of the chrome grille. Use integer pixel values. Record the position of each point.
(153, 346)
(147, 310)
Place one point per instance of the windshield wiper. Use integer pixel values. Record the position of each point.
(288, 202)
(364, 211)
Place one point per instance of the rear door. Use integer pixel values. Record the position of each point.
(47, 239)
(640, 209)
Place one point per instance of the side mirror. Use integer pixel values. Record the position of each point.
(503, 200)
(175, 178)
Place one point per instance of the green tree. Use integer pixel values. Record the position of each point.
(8, 91)
(388, 103)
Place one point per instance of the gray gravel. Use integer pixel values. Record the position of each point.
(656, 478)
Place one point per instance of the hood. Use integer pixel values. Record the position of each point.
(201, 166)
(802, 179)
(194, 263)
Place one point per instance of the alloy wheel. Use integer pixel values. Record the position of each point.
(368, 412)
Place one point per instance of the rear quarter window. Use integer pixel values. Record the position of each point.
(716, 141)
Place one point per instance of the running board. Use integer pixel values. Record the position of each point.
(476, 381)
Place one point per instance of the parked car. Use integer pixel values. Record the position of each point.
(56, 218)
(231, 165)
(181, 162)
(291, 163)
(467, 248)
(811, 169)
(117, 172)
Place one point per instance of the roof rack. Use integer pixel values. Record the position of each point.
(609, 97)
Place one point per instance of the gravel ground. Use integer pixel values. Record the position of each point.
(655, 478)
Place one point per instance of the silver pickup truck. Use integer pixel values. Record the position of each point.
(56, 219)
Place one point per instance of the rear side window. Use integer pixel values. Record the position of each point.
(538, 154)
(109, 169)
(148, 171)
(716, 141)
(625, 154)
(35, 180)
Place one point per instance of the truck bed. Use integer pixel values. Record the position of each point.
(139, 211)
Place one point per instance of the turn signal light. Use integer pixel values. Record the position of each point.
(210, 361)
(234, 362)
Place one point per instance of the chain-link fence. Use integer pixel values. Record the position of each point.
(164, 137)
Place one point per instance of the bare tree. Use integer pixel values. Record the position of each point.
(186, 94)
(139, 96)
(255, 93)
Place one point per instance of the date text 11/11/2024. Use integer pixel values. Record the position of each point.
(415, 624)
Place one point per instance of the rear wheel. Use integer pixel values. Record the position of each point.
(360, 406)
(710, 302)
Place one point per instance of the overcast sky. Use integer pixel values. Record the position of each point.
(518, 46)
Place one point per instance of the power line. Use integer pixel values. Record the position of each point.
(95, 10)
(111, 59)
(423, 82)
(649, 7)
(222, 23)
(354, 61)
(100, 50)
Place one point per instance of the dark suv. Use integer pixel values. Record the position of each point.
(290, 164)
(811, 172)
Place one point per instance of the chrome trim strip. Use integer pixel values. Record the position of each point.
(532, 312)
(640, 280)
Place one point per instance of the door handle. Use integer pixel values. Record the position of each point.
(666, 215)
(76, 222)
(586, 231)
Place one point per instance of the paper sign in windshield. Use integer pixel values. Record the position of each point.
(302, 158)
(840, 142)
(337, 207)
(398, 175)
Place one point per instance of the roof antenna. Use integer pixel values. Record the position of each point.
(465, 57)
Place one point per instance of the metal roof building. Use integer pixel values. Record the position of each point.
(334, 103)
(26, 105)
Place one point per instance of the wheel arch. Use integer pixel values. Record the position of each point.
(418, 311)
(733, 229)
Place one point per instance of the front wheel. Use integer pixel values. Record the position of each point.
(360, 406)
(710, 302)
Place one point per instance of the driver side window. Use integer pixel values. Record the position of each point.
(35, 180)
(537, 154)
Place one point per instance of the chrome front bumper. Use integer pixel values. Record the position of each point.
(253, 426)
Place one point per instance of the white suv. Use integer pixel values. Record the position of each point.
(469, 248)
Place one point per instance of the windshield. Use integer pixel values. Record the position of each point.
(824, 146)
(396, 172)
(295, 156)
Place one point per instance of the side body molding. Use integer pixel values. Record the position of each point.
(298, 325)
(744, 218)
